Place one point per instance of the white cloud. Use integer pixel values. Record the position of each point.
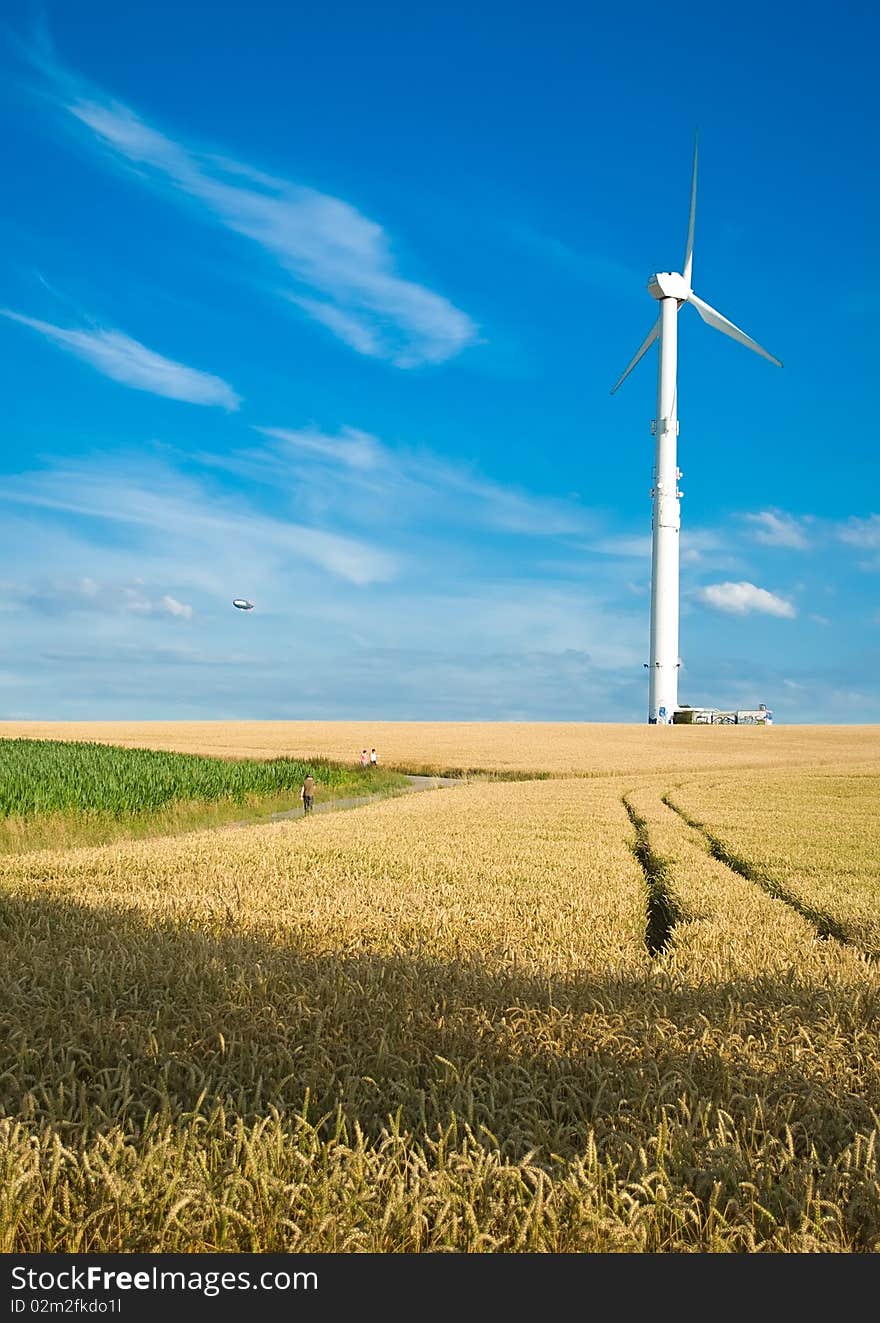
(775, 528)
(863, 533)
(172, 607)
(137, 602)
(742, 598)
(127, 361)
(340, 259)
(52, 597)
(702, 545)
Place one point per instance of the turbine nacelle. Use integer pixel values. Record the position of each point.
(669, 285)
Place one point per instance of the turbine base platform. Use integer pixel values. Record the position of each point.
(714, 716)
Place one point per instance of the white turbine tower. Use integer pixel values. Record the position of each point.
(671, 289)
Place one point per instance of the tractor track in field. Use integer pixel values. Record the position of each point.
(825, 925)
(663, 911)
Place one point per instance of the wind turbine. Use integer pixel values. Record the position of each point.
(671, 289)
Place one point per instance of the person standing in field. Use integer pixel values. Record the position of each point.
(364, 758)
(307, 794)
(374, 758)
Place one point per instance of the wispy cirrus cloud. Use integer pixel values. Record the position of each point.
(132, 364)
(356, 474)
(348, 327)
(340, 260)
(352, 447)
(602, 271)
(775, 528)
(699, 546)
(743, 598)
(406, 623)
(636, 546)
(216, 535)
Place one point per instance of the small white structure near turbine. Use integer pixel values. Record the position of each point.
(671, 290)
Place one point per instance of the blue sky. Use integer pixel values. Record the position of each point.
(321, 306)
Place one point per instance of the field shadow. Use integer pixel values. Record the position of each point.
(111, 1017)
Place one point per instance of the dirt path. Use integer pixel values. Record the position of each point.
(355, 801)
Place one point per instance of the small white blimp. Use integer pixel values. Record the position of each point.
(243, 604)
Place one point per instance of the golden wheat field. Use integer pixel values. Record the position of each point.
(634, 1007)
(579, 748)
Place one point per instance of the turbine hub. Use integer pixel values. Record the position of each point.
(669, 285)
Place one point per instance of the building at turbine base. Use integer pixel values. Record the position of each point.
(713, 716)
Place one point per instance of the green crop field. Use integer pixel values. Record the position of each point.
(64, 792)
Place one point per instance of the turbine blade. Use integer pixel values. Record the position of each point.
(712, 317)
(688, 267)
(643, 349)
